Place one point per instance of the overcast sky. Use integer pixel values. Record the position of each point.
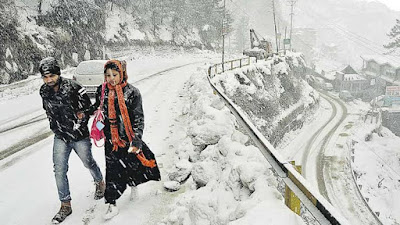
(393, 4)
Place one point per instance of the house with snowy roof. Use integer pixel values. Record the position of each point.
(382, 70)
(348, 79)
(385, 67)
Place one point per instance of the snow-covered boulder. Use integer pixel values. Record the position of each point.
(181, 171)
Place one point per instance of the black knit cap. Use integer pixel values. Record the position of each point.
(49, 65)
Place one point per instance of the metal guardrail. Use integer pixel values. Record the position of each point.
(229, 65)
(350, 158)
(318, 206)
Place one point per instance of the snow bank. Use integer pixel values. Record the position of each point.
(272, 92)
(376, 166)
(227, 181)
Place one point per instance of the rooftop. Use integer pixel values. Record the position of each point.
(392, 60)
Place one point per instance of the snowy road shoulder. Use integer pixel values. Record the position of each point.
(226, 180)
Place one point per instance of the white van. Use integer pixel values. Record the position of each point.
(90, 74)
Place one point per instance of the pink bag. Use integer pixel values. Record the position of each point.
(97, 133)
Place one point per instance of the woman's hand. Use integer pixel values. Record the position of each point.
(134, 149)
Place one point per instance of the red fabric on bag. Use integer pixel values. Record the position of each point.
(95, 133)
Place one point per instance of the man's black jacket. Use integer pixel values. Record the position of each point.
(61, 108)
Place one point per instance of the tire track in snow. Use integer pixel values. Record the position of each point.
(166, 70)
(321, 155)
(33, 120)
(325, 164)
(23, 144)
(313, 139)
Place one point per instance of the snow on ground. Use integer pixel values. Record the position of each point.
(189, 130)
(229, 180)
(293, 144)
(377, 170)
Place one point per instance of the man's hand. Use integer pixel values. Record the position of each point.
(80, 115)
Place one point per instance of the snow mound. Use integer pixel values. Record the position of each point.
(230, 182)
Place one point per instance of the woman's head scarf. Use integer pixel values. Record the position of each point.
(120, 67)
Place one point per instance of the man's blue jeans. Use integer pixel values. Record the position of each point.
(61, 153)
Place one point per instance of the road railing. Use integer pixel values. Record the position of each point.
(229, 65)
(350, 160)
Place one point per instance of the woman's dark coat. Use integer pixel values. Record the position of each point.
(123, 168)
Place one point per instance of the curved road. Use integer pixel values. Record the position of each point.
(325, 165)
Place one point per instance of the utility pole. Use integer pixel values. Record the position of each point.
(284, 44)
(223, 39)
(292, 2)
(276, 32)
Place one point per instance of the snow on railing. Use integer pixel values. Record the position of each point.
(350, 161)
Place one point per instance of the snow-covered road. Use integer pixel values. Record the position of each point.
(340, 186)
(325, 158)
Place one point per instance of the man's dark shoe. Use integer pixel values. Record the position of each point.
(100, 189)
(64, 211)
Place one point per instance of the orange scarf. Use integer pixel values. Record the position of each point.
(112, 114)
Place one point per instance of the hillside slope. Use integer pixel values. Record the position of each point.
(73, 31)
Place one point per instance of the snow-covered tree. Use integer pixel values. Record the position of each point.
(77, 22)
(17, 51)
(394, 36)
(79, 28)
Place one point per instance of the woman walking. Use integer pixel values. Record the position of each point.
(129, 161)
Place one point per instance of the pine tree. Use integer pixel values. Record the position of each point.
(394, 35)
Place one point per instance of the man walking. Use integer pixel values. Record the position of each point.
(66, 104)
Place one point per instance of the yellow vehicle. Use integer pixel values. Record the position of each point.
(259, 48)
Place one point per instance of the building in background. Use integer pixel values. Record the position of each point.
(382, 70)
(356, 84)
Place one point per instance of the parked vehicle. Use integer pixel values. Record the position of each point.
(346, 96)
(90, 74)
(327, 86)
